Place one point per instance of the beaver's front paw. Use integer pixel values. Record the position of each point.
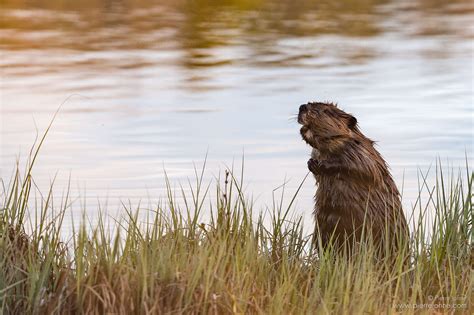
(313, 166)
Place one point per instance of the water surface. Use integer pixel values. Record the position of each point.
(154, 86)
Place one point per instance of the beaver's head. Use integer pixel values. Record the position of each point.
(326, 127)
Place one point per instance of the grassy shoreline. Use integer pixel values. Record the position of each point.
(169, 262)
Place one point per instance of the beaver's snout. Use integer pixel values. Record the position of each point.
(302, 112)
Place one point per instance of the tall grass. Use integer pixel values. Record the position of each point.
(168, 261)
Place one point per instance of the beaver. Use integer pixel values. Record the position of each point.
(356, 191)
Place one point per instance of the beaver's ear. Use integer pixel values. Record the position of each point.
(351, 122)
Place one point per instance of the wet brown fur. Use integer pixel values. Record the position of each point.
(354, 183)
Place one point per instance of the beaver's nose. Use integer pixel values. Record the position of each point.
(303, 108)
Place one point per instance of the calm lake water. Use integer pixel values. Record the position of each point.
(153, 86)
